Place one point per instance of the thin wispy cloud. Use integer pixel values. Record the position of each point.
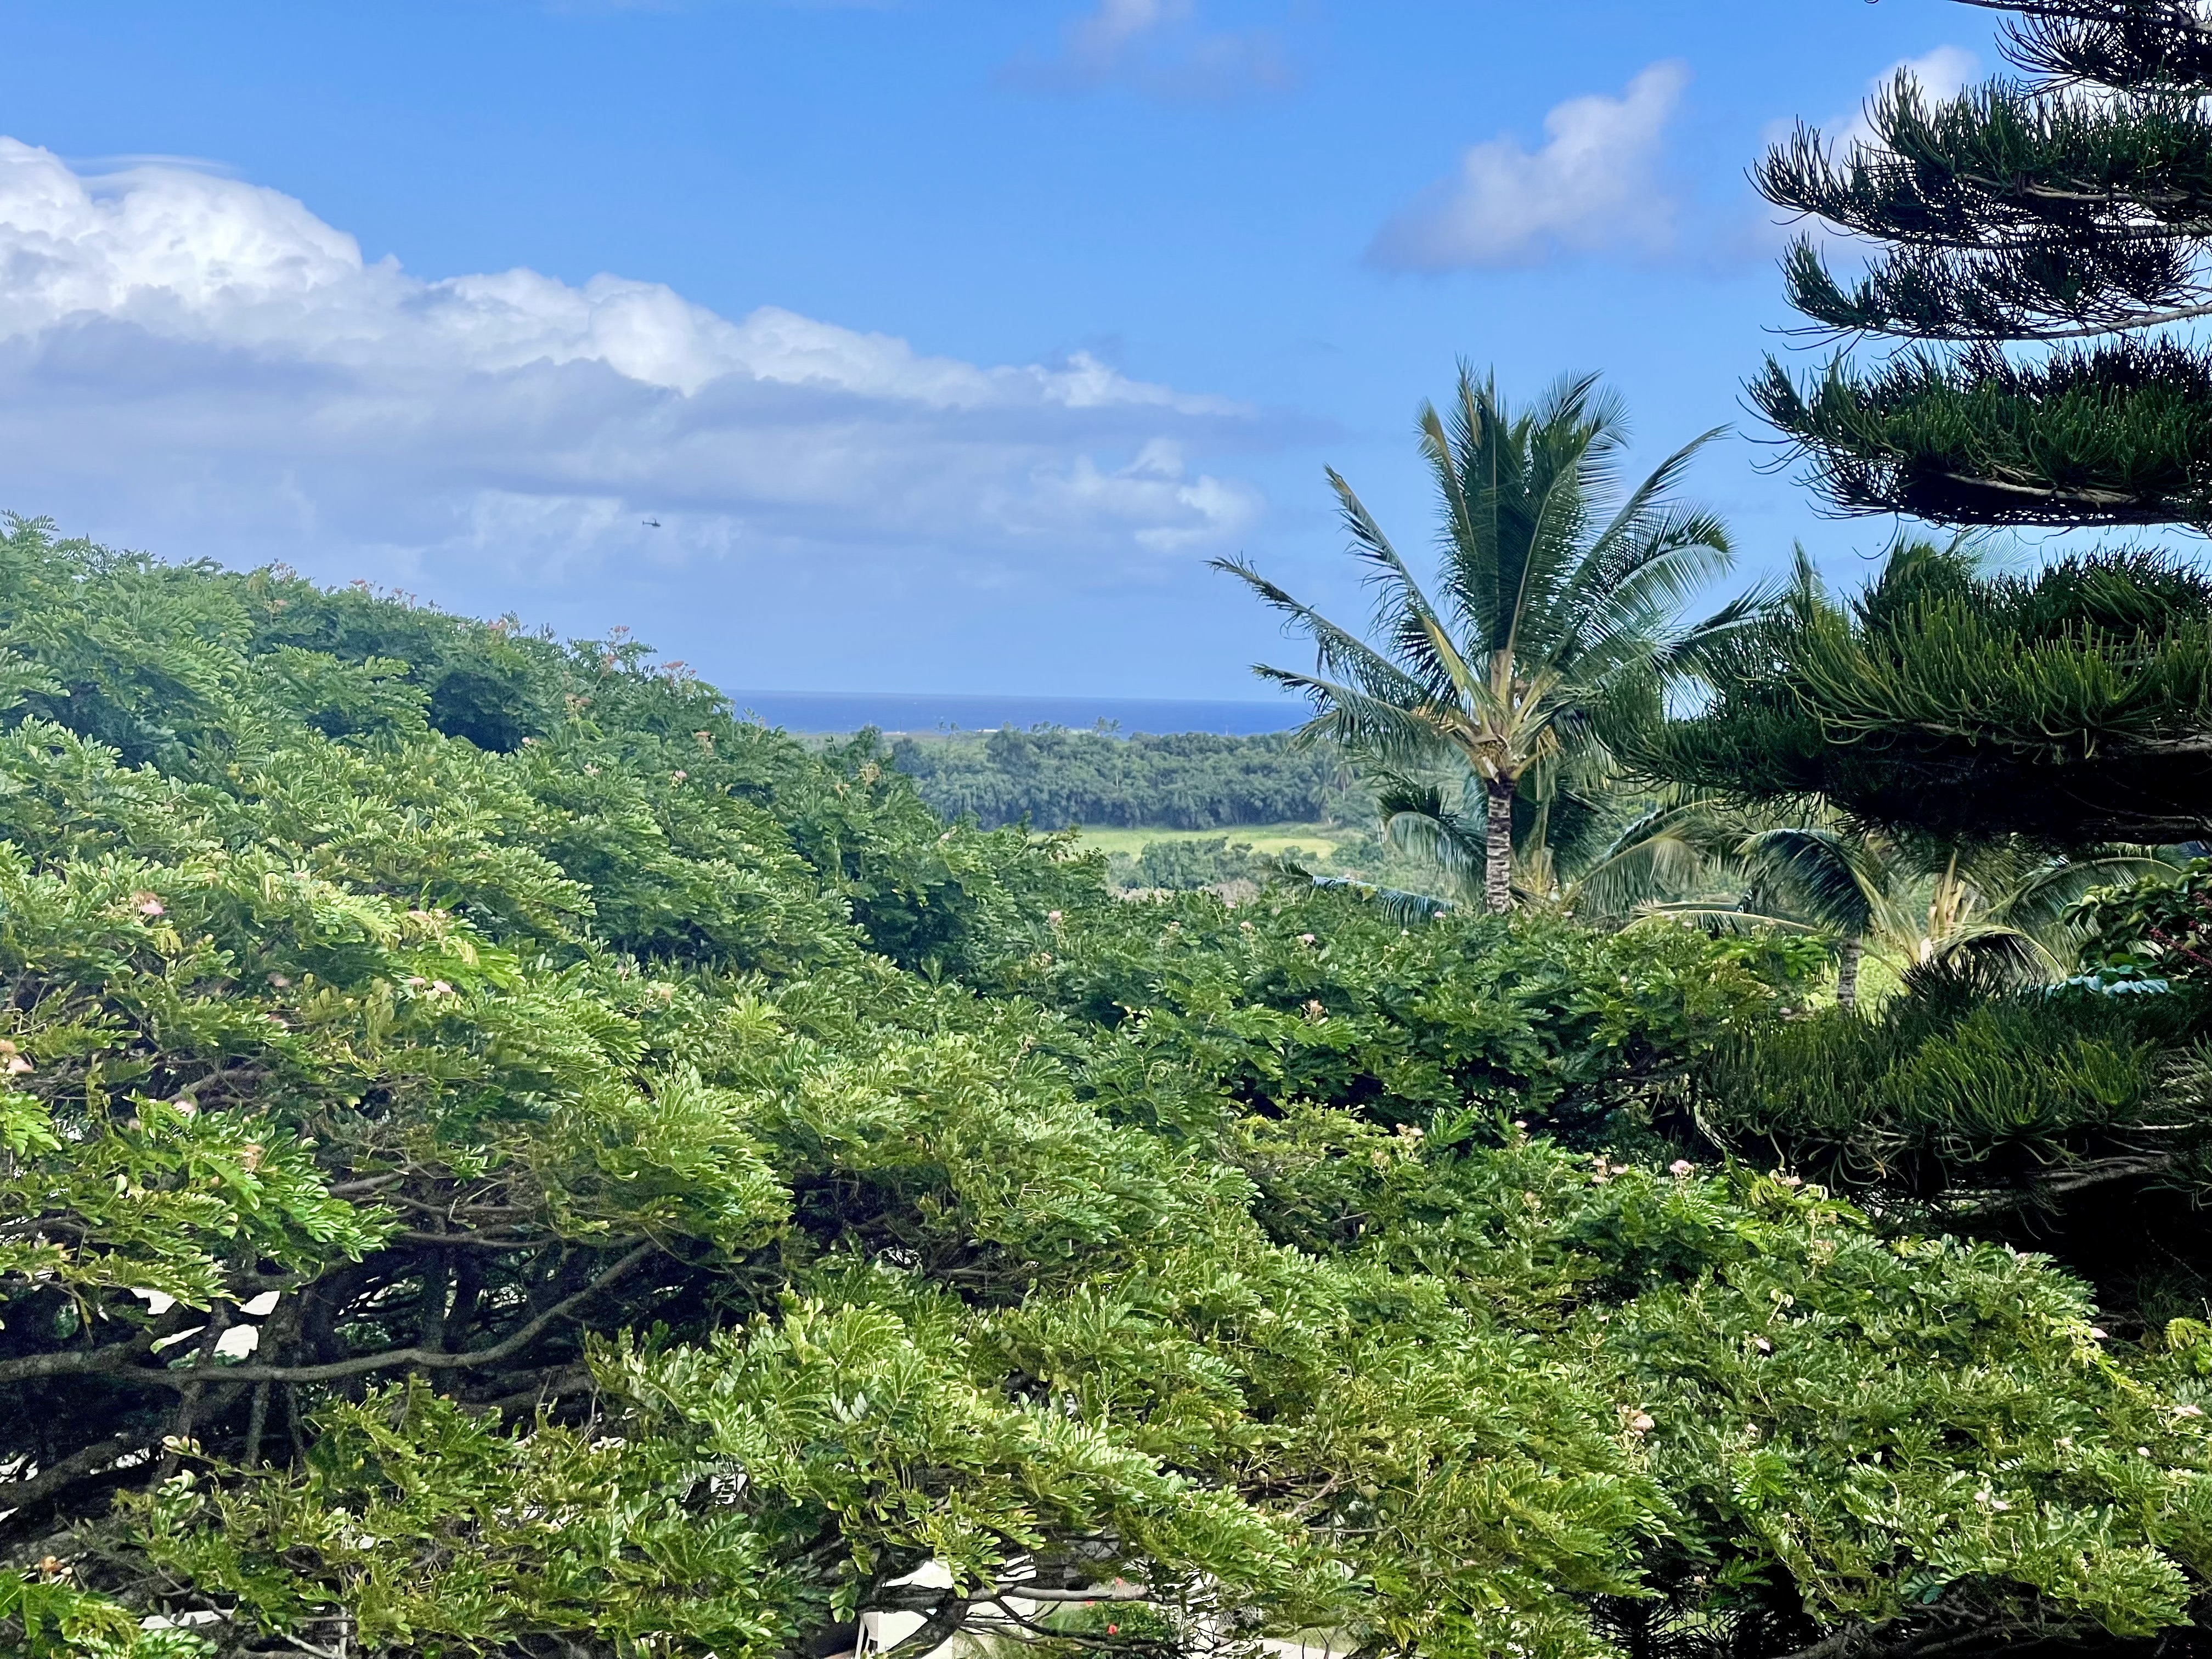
(1162, 48)
(1596, 184)
(93, 166)
(192, 350)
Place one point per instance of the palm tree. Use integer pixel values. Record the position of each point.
(1558, 595)
(2001, 903)
(1583, 845)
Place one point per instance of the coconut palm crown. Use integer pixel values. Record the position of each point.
(1559, 592)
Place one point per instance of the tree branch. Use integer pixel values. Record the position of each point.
(473, 1241)
(429, 1359)
(74, 1362)
(1094, 1593)
(21, 1494)
(111, 1359)
(1835, 1642)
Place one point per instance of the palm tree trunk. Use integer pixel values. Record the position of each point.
(1847, 971)
(1498, 847)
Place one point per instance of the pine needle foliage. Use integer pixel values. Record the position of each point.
(1969, 1088)
(2073, 708)
(2039, 241)
(2073, 1119)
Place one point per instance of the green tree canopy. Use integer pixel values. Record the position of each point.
(1054, 777)
(608, 1182)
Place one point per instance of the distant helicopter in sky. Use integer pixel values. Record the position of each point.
(653, 523)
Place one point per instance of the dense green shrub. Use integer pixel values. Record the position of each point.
(2151, 933)
(579, 1175)
(1323, 997)
(1185, 864)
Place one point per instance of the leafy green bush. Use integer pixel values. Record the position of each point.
(1188, 864)
(2150, 934)
(1322, 996)
(572, 1173)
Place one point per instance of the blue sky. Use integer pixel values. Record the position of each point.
(944, 339)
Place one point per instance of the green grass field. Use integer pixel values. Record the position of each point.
(1318, 841)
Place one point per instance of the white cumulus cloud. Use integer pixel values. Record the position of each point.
(196, 356)
(1594, 184)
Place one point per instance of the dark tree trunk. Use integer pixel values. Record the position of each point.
(1498, 848)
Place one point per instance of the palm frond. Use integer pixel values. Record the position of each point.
(1689, 651)
(1401, 905)
(1404, 613)
(1634, 521)
(1375, 728)
(2037, 903)
(1566, 444)
(1337, 650)
(2011, 954)
(1831, 879)
(1684, 550)
(1449, 845)
(1659, 857)
(1473, 465)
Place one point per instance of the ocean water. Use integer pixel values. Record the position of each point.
(920, 711)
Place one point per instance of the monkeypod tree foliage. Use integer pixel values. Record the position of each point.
(561, 1171)
(2037, 255)
(1222, 1015)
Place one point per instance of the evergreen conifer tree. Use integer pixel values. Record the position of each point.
(1950, 701)
(2040, 245)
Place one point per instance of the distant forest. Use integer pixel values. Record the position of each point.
(1184, 780)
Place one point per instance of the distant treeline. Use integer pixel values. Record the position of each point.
(1185, 781)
